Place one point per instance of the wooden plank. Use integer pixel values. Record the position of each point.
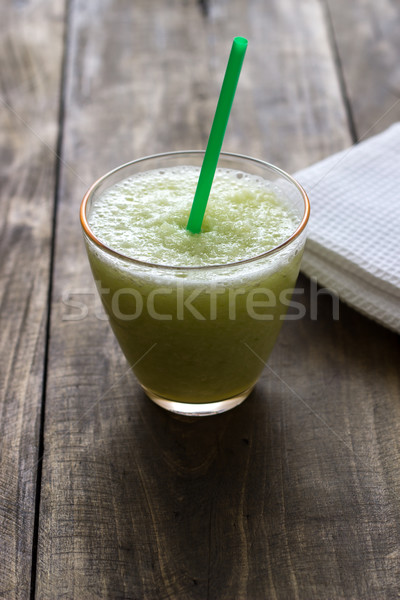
(337, 437)
(293, 494)
(30, 67)
(290, 109)
(368, 46)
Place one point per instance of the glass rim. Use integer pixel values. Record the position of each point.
(91, 191)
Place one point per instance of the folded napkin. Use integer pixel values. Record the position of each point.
(353, 244)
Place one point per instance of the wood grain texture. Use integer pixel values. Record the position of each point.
(294, 493)
(30, 66)
(289, 108)
(368, 44)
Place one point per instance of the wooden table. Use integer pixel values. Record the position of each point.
(294, 494)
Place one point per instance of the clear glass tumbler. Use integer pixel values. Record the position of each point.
(197, 338)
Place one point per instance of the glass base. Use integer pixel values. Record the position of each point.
(196, 409)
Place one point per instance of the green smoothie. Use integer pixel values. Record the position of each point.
(195, 315)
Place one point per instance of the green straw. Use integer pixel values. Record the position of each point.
(217, 133)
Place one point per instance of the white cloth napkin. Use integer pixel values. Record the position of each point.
(353, 244)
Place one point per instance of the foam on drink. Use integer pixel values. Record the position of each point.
(144, 217)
